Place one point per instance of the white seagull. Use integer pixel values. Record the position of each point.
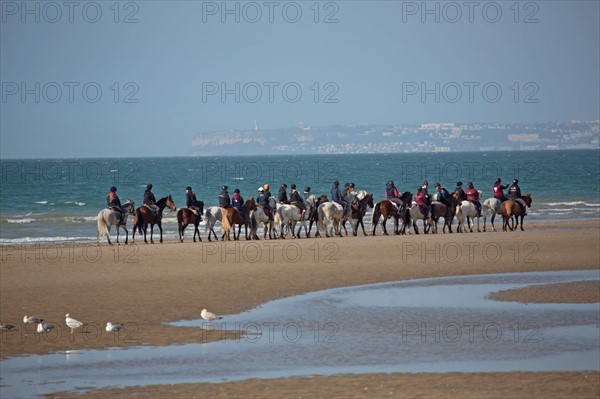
(72, 323)
(208, 316)
(31, 319)
(6, 327)
(42, 328)
(110, 327)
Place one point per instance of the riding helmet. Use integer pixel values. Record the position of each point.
(516, 181)
(224, 188)
(336, 183)
(266, 186)
(498, 180)
(352, 185)
(188, 188)
(293, 186)
(458, 184)
(113, 189)
(148, 186)
(307, 189)
(425, 183)
(260, 189)
(236, 191)
(437, 184)
(419, 189)
(470, 184)
(346, 184)
(284, 185)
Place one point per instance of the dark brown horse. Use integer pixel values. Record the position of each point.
(231, 217)
(313, 215)
(359, 214)
(144, 216)
(439, 210)
(389, 210)
(186, 216)
(512, 209)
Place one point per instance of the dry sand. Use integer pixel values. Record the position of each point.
(147, 285)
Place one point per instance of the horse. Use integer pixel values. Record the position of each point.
(145, 216)
(438, 210)
(288, 215)
(415, 215)
(108, 217)
(364, 200)
(231, 217)
(313, 215)
(259, 216)
(491, 206)
(512, 209)
(330, 213)
(466, 210)
(186, 216)
(213, 215)
(387, 209)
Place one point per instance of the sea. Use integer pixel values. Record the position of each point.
(58, 200)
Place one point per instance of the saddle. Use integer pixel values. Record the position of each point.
(195, 212)
(395, 205)
(154, 213)
(266, 211)
(354, 208)
(423, 209)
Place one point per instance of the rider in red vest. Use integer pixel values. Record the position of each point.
(497, 188)
(473, 197)
(421, 200)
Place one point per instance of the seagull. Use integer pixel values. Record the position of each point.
(42, 328)
(31, 319)
(208, 316)
(72, 323)
(6, 327)
(110, 327)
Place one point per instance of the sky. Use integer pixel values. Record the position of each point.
(142, 78)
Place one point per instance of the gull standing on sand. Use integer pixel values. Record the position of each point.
(208, 316)
(110, 327)
(30, 320)
(72, 323)
(6, 327)
(42, 328)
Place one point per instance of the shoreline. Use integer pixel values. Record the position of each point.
(149, 285)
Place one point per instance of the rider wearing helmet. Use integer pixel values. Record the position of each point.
(497, 189)
(296, 199)
(443, 194)
(282, 194)
(421, 200)
(224, 200)
(336, 195)
(515, 194)
(473, 197)
(263, 199)
(460, 192)
(391, 193)
(238, 202)
(191, 201)
(150, 201)
(114, 203)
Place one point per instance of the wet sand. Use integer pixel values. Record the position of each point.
(146, 285)
(576, 292)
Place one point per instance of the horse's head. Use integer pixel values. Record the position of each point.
(322, 198)
(527, 199)
(170, 204)
(369, 199)
(272, 202)
(129, 206)
(250, 204)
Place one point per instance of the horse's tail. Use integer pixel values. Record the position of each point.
(320, 219)
(226, 221)
(253, 223)
(375, 217)
(101, 225)
(209, 220)
(180, 222)
(140, 220)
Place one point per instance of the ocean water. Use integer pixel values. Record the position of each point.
(58, 200)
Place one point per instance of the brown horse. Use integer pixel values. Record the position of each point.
(359, 214)
(144, 216)
(186, 216)
(388, 210)
(512, 209)
(313, 215)
(439, 210)
(231, 217)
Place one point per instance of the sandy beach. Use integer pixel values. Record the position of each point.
(145, 286)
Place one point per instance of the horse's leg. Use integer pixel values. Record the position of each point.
(197, 231)
(491, 221)
(383, 226)
(146, 232)
(522, 216)
(126, 234)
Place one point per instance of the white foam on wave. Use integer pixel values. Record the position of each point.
(41, 240)
(41, 202)
(75, 203)
(21, 221)
(572, 203)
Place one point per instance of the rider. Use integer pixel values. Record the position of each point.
(306, 193)
(515, 194)
(425, 187)
(497, 189)
(421, 200)
(443, 194)
(150, 201)
(238, 203)
(336, 195)
(190, 199)
(459, 190)
(473, 197)
(268, 195)
(296, 199)
(114, 203)
(282, 194)
(224, 200)
(391, 193)
(346, 190)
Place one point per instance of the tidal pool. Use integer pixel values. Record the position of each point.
(428, 325)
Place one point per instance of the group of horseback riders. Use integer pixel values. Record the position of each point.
(422, 197)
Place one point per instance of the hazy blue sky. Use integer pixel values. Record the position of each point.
(161, 75)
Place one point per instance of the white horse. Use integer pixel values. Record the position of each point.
(466, 210)
(107, 218)
(330, 213)
(491, 206)
(213, 215)
(287, 216)
(415, 215)
(260, 216)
